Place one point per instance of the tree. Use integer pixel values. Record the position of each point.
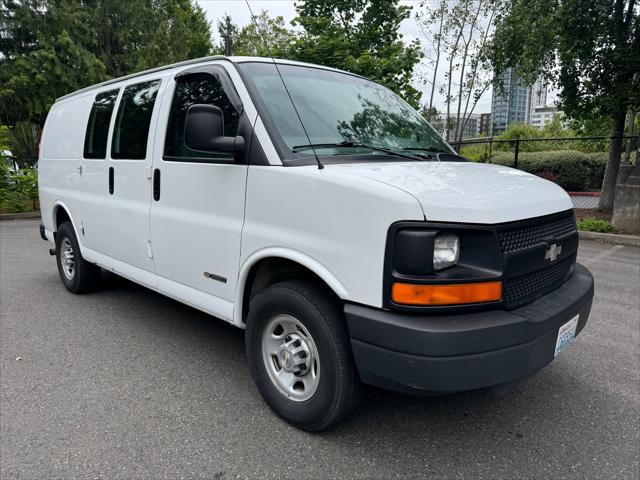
(49, 48)
(265, 37)
(24, 139)
(591, 50)
(359, 36)
(460, 31)
(228, 32)
(45, 54)
(425, 18)
(180, 31)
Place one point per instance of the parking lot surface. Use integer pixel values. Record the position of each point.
(125, 383)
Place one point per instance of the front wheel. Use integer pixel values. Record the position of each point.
(299, 355)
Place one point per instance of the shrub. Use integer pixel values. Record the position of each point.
(476, 152)
(597, 162)
(549, 175)
(12, 201)
(590, 224)
(4, 175)
(574, 171)
(27, 185)
(18, 189)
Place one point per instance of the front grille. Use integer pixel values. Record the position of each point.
(522, 238)
(525, 289)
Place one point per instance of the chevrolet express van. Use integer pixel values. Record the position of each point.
(322, 214)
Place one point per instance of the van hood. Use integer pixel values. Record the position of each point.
(465, 191)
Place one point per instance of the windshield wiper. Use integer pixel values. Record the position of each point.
(433, 150)
(350, 144)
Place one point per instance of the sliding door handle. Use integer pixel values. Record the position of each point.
(156, 184)
(111, 180)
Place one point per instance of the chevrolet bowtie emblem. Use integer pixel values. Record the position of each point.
(552, 252)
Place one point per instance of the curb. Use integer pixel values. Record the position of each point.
(584, 194)
(613, 238)
(19, 216)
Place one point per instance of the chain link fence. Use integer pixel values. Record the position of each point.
(577, 164)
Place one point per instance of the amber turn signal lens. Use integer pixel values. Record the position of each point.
(456, 294)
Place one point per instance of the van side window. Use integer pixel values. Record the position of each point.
(95, 139)
(132, 122)
(197, 88)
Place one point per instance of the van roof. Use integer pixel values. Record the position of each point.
(193, 62)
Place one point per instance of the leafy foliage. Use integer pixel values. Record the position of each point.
(590, 49)
(359, 36)
(270, 37)
(52, 47)
(595, 225)
(24, 138)
(18, 189)
(5, 139)
(573, 170)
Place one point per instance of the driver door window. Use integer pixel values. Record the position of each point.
(197, 88)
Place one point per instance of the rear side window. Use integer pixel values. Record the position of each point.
(132, 122)
(95, 139)
(197, 88)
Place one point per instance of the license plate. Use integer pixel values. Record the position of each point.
(566, 334)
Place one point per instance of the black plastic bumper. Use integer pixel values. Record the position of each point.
(452, 353)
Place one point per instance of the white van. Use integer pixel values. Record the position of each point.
(321, 213)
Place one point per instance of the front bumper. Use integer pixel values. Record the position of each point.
(431, 354)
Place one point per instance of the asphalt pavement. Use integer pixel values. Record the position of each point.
(125, 383)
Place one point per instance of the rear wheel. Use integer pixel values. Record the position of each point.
(299, 355)
(77, 275)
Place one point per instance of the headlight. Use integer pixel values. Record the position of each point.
(446, 250)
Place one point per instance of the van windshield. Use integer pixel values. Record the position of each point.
(343, 114)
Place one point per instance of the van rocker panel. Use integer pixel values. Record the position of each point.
(432, 354)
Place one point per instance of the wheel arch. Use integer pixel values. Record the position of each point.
(61, 213)
(268, 266)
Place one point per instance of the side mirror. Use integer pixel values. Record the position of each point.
(204, 131)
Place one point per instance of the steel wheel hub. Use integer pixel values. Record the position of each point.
(294, 354)
(67, 259)
(290, 358)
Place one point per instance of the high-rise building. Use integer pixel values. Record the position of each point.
(538, 94)
(485, 124)
(515, 103)
(542, 115)
(470, 125)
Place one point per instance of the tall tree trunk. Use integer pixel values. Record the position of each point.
(454, 52)
(467, 43)
(443, 9)
(613, 162)
(474, 73)
(630, 124)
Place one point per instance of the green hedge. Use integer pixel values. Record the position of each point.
(571, 169)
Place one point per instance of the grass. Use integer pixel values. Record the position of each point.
(591, 224)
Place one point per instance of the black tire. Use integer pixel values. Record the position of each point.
(338, 390)
(86, 276)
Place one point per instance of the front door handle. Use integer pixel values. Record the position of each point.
(156, 184)
(111, 180)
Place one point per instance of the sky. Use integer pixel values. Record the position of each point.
(237, 9)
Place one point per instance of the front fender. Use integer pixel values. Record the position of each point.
(289, 254)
